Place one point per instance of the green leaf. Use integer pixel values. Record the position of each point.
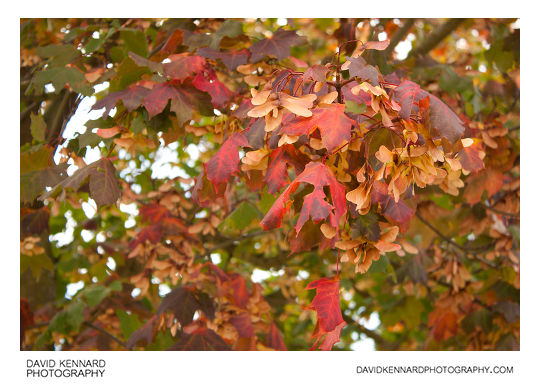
(135, 41)
(242, 216)
(58, 55)
(482, 319)
(94, 294)
(38, 127)
(129, 323)
(36, 263)
(69, 319)
(354, 107)
(59, 77)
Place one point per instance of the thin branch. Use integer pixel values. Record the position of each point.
(436, 37)
(399, 35)
(228, 242)
(93, 326)
(452, 242)
(379, 340)
(29, 109)
(495, 210)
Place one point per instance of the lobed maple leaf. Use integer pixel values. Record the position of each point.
(275, 340)
(489, 180)
(319, 175)
(184, 301)
(131, 97)
(443, 323)
(185, 99)
(398, 212)
(326, 304)
(470, 159)
(152, 233)
(231, 59)
(358, 67)
(154, 212)
(316, 73)
(225, 162)
(101, 176)
(146, 333)
(331, 121)
(276, 174)
(197, 337)
(279, 45)
(207, 81)
(443, 122)
(183, 66)
(242, 323)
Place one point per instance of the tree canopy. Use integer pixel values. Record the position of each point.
(269, 184)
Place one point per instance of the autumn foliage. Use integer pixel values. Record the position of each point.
(360, 184)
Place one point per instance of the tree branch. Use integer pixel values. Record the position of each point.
(228, 242)
(495, 210)
(399, 35)
(93, 326)
(29, 109)
(450, 241)
(436, 37)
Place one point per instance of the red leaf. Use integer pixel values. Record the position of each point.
(242, 323)
(399, 212)
(275, 340)
(361, 69)
(279, 45)
(379, 192)
(276, 175)
(470, 160)
(316, 73)
(181, 67)
(443, 122)
(203, 192)
(443, 323)
(107, 133)
(319, 175)
(225, 162)
(315, 207)
(154, 212)
(331, 338)
(146, 332)
(27, 318)
(184, 301)
(238, 287)
(151, 233)
(309, 236)
(207, 81)
(378, 45)
(231, 59)
(185, 100)
(200, 339)
(173, 41)
(326, 304)
(489, 180)
(132, 98)
(334, 125)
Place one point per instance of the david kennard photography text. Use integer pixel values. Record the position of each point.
(65, 368)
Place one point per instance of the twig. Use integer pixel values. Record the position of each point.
(449, 240)
(495, 210)
(29, 109)
(93, 326)
(399, 35)
(436, 37)
(228, 242)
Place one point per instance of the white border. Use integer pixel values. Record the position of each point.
(265, 367)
